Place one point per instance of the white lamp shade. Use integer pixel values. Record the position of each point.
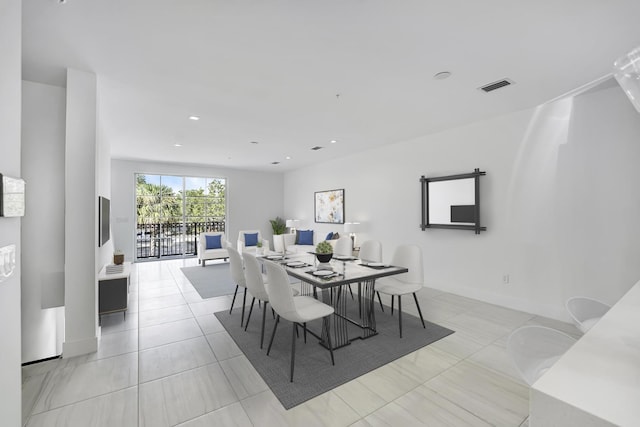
(351, 227)
(292, 223)
(627, 73)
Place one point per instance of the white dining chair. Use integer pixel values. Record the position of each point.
(410, 257)
(237, 275)
(343, 246)
(534, 349)
(371, 251)
(256, 285)
(296, 309)
(585, 312)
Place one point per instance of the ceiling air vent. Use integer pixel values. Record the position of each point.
(496, 85)
(275, 163)
(316, 148)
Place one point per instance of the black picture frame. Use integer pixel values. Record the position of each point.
(328, 206)
(455, 210)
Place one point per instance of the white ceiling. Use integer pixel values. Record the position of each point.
(271, 71)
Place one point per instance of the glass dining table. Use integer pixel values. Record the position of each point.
(330, 282)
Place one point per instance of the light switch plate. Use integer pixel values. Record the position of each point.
(7, 261)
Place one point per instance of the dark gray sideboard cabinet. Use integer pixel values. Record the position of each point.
(113, 290)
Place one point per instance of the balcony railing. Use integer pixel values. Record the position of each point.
(171, 239)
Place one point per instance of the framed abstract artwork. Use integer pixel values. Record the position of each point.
(329, 206)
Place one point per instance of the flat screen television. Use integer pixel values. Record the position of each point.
(104, 226)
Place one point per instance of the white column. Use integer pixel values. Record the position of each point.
(81, 216)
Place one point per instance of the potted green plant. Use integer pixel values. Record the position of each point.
(259, 250)
(278, 225)
(324, 251)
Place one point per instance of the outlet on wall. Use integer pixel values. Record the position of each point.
(7, 261)
(505, 279)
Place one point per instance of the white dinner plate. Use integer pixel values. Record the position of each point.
(322, 273)
(275, 257)
(295, 263)
(376, 264)
(343, 257)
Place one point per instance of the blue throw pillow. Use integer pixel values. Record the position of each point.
(213, 242)
(329, 236)
(306, 237)
(250, 239)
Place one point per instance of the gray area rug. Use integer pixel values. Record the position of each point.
(314, 373)
(213, 280)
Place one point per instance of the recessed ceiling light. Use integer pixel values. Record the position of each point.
(288, 157)
(177, 145)
(442, 75)
(275, 163)
(194, 118)
(316, 148)
(253, 142)
(333, 141)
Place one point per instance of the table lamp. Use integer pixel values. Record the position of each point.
(352, 228)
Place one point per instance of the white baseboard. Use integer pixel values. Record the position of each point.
(508, 302)
(78, 348)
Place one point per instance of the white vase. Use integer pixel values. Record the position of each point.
(278, 243)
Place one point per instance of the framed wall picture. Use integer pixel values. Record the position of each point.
(329, 206)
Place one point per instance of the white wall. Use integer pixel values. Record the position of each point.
(252, 198)
(43, 139)
(559, 201)
(10, 86)
(81, 202)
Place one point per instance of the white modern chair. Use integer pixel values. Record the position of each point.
(370, 250)
(409, 256)
(256, 284)
(212, 251)
(237, 275)
(585, 312)
(534, 349)
(296, 309)
(242, 243)
(343, 246)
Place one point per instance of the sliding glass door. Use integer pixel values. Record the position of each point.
(171, 211)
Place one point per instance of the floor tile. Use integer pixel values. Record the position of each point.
(166, 333)
(392, 415)
(490, 396)
(243, 377)
(212, 305)
(434, 410)
(164, 315)
(114, 409)
(223, 346)
(229, 416)
(74, 383)
(426, 363)
(173, 358)
(184, 396)
(209, 324)
(359, 397)
(110, 345)
(388, 382)
(117, 322)
(328, 409)
(161, 302)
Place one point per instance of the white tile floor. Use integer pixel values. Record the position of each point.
(170, 362)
